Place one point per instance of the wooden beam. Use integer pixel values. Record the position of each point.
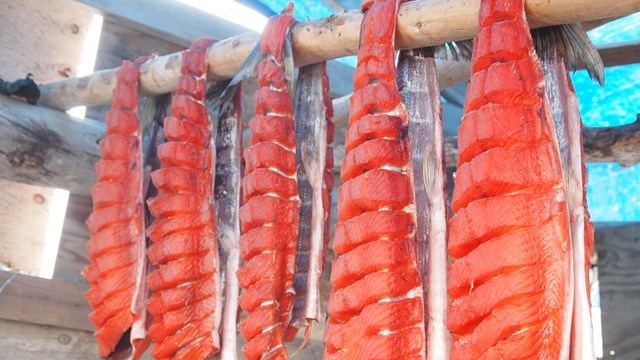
(420, 23)
(41, 145)
(618, 250)
(24, 225)
(620, 144)
(54, 302)
(45, 147)
(31, 342)
(621, 53)
(44, 38)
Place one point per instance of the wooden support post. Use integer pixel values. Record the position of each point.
(420, 23)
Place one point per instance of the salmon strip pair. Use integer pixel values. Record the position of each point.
(269, 215)
(520, 239)
(376, 306)
(186, 299)
(116, 275)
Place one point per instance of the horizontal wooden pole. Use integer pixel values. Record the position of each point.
(420, 23)
(68, 147)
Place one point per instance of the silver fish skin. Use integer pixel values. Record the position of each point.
(311, 154)
(227, 190)
(418, 85)
(558, 49)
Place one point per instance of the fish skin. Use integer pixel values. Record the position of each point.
(501, 171)
(118, 265)
(184, 249)
(312, 157)
(227, 198)
(418, 85)
(382, 193)
(269, 299)
(555, 47)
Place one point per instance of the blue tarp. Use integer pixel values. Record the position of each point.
(613, 192)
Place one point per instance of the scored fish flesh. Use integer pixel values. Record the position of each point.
(186, 298)
(117, 225)
(376, 306)
(510, 281)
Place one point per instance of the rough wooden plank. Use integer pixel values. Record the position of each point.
(44, 37)
(45, 147)
(619, 273)
(24, 220)
(41, 301)
(27, 341)
(72, 252)
(330, 38)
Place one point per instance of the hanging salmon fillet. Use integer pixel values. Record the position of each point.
(376, 301)
(314, 133)
(269, 216)
(559, 48)
(510, 280)
(117, 223)
(186, 298)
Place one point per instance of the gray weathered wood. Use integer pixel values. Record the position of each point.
(42, 146)
(619, 144)
(618, 251)
(45, 147)
(24, 222)
(29, 342)
(42, 37)
(41, 301)
(330, 38)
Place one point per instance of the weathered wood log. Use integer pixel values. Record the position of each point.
(46, 147)
(420, 23)
(25, 226)
(24, 341)
(620, 144)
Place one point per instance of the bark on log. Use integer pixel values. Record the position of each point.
(420, 23)
(45, 147)
(620, 144)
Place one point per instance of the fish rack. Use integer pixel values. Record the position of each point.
(44, 147)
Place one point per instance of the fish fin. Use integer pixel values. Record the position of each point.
(213, 100)
(577, 39)
(248, 70)
(458, 50)
(288, 62)
(569, 41)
